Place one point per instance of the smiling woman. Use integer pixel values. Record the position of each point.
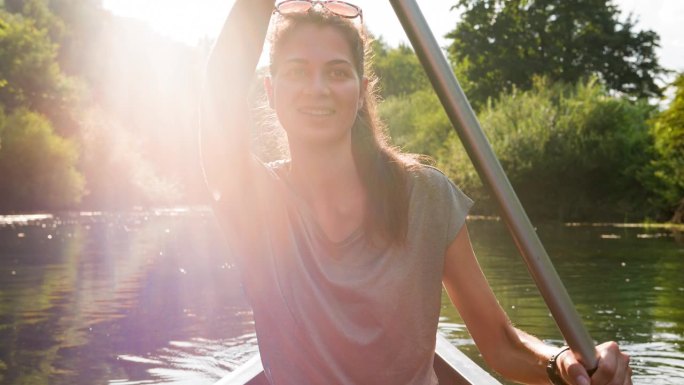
(321, 54)
(343, 248)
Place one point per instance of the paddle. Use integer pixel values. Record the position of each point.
(488, 167)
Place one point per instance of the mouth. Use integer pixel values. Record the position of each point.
(316, 111)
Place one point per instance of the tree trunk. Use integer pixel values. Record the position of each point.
(678, 216)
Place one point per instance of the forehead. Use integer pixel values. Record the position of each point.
(313, 43)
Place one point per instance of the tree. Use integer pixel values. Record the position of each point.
(572, 152)
(501, 44)
(590, 148)
(117, 173)
(135, 129)
(417, 122)
(398, 70)
(665, 174)
(40, 13)
(38, 167)
(30, 76)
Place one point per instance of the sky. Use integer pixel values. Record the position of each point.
(191, 21)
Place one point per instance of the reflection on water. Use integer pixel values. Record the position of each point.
(135, 298)
(152, 297)
(628, 287)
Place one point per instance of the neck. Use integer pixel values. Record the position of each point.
(324, 171)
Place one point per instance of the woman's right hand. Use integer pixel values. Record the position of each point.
(613, 367)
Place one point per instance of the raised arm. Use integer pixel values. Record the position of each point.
(511, 352)
(225, 117)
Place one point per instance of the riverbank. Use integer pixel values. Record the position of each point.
(679, 227)
(647, 225)
(17, 219)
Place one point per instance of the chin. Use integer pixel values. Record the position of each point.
(320, 136)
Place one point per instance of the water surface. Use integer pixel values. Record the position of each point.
(153, 297)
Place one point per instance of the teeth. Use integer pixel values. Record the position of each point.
(316, 111)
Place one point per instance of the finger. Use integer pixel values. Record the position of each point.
(624, 369)
(577, 375)
(620, 374)
(628, 378)
(572, 370)
(609, 363)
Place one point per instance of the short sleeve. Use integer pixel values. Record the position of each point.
(459, 205)
(437, 204)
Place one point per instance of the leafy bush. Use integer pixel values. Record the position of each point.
(665, 174)
(30, 76)
(571, 152)
(417, 122)
(38, 167)
(117, 172)
(398, 70)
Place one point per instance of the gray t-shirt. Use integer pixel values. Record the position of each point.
(347, 312)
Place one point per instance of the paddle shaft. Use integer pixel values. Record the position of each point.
(488, 167)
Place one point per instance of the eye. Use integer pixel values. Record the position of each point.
(339, 73)
(295, 72)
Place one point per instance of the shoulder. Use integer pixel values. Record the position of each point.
(428, 176)
(431, 184)
(428, 183)
(437, 203)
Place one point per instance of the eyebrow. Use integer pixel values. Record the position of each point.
(329, 63)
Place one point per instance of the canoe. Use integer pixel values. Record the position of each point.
(451, 366)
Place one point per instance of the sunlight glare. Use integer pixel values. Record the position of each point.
(185, 21)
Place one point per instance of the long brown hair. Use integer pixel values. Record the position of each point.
(383, 169)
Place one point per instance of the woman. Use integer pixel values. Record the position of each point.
(343, 249)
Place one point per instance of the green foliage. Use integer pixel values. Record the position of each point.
(29, 74)
(665, 174)
(145, 102)
(38, 167)
(118, 176)
(398, 69)
(39, 12)
(27, 61)
(417, 122)
(500, 45)
(571, 152)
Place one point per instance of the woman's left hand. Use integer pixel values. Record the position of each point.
(613, 367)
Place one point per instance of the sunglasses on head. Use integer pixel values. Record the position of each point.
(339, 8)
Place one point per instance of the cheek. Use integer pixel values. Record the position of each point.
(279, 101)
(284, 91)
(351, 93)
(283, 105)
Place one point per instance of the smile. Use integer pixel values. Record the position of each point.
(317, 111)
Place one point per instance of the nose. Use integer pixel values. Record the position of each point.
(317, 84)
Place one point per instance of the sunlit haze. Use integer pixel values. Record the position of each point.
(192, 21)
(189, 22)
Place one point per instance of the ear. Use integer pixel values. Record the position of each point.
(268, 87)
(362, 92)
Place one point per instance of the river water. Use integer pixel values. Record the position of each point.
(152, 298)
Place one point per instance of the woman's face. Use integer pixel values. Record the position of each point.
(316, 91)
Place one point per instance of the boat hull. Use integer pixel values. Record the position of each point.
(451, 366)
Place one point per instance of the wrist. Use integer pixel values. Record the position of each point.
(552, 367)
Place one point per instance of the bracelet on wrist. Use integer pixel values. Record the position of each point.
(552, 368)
